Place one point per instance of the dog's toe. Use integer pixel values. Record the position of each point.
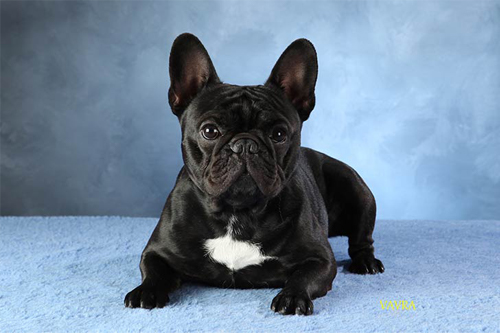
(133, 298)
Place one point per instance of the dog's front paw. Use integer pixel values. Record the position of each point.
(288, 302)
(146, 297)
(366, 265)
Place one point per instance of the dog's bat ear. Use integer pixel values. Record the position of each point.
(191, 70)
(295, 73)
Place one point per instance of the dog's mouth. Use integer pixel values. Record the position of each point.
(242, 179)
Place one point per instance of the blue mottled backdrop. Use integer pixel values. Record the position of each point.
(408, 94)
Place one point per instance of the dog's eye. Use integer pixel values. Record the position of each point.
(210, 132)
(278, 135)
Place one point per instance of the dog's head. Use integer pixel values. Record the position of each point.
(241, 143)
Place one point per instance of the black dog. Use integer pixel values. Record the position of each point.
(251, 208)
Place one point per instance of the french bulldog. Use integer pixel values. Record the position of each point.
(251, 208)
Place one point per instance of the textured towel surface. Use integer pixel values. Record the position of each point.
(72, 273)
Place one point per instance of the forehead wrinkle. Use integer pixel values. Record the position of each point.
(239, 104)
(252, 106)
(247, 108)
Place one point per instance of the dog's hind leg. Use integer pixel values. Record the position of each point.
(351, 212)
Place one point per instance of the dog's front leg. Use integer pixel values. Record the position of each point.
(158, 279)
(311, 279)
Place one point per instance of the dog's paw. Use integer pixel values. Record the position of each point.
(146, 297)
(366, 265)
(292, 303)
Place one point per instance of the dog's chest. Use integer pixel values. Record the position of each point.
(234, 254)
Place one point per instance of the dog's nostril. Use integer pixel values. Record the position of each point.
(237, 147)
(244, 145)
(252, 147)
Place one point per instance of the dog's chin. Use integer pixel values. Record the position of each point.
(243, 193)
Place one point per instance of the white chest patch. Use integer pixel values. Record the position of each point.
(235, 254)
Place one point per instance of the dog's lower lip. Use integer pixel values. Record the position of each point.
(245, 170)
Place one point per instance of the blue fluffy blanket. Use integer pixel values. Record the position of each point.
(72, 273)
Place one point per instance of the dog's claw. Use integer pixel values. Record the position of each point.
(146, 297)
(366, 265)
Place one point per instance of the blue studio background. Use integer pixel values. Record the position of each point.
(408, 94)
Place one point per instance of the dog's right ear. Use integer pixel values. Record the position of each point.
(191, 70)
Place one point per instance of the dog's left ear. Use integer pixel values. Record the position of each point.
(295, 74)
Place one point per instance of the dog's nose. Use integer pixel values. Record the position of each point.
(246, 145)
